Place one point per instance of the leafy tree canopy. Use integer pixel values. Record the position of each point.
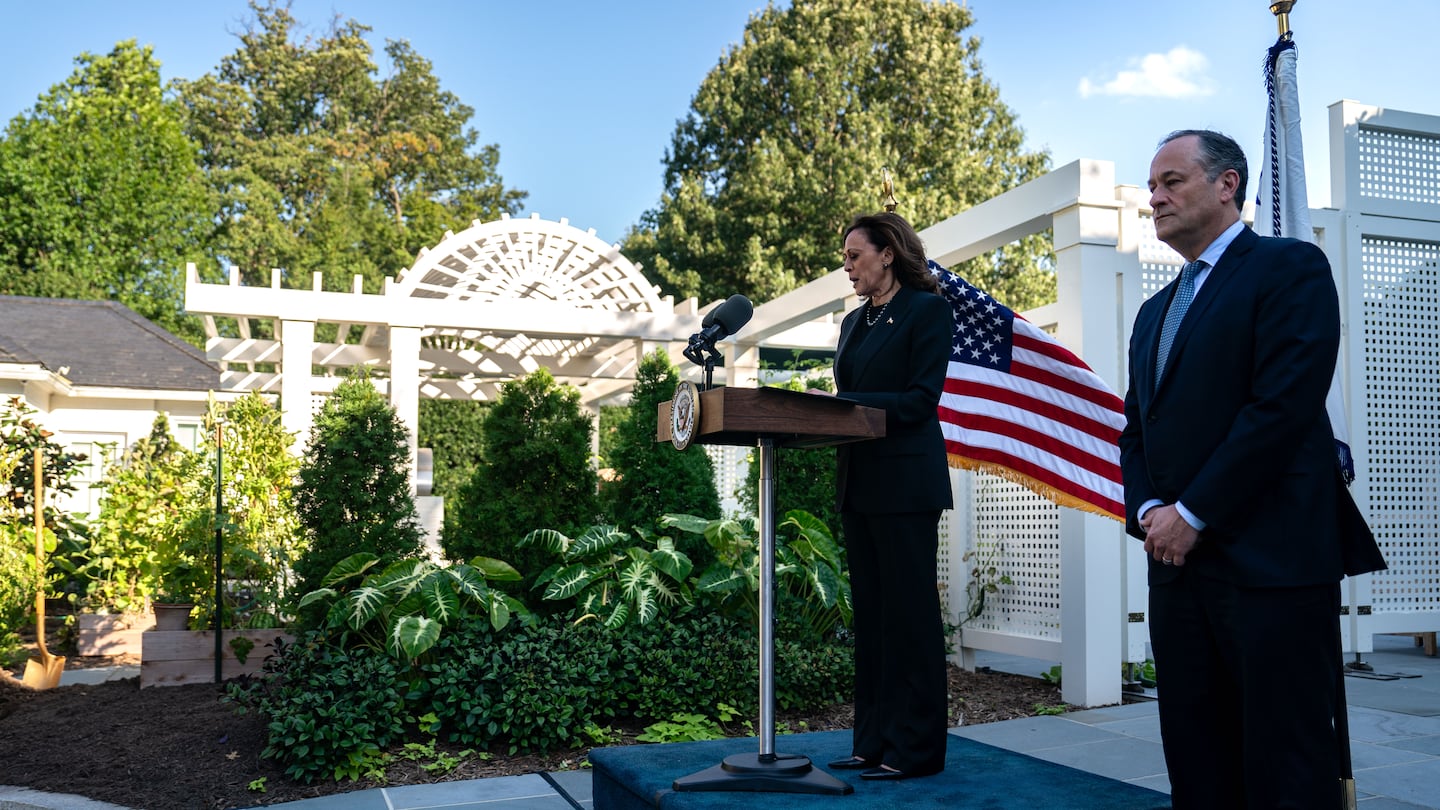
(321, 164)
(787, 136)
(101, 196)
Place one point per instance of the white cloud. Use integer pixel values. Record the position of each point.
(1180, 73)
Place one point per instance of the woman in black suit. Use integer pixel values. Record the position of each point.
(893, 353)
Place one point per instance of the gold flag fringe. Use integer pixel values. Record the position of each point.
(1039, 488)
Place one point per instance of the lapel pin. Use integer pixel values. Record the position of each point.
(889, 320)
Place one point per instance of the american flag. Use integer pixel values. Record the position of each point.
(1019, 405)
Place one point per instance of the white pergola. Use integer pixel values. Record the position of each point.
(484, 306)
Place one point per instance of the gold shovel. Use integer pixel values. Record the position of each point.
(43, 672)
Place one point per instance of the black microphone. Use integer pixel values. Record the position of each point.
(724, 320)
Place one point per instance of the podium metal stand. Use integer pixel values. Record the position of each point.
(768, 419)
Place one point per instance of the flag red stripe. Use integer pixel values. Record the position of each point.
(1109, 469)
(1049, 410)
(1090, 393)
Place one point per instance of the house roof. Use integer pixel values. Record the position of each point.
(100, 343)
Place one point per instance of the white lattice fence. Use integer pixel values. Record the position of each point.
(1386, 176)
(1014, 535)
(1401, 334)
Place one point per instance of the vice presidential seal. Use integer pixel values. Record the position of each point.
(684, 414)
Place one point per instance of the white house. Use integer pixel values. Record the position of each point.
(98, 374)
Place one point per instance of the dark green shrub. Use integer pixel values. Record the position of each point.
(811, 676)
(20, 434)
(536, 475)
(690, 662)
(329, 712)
(653, 479)
(527, 689)
(353, 493)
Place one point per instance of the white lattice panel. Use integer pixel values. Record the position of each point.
(1401, 287)
(1158, 261)
(731, 465)
(1018, 532)
(1399, 166)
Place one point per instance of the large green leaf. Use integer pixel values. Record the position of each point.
(667, 593)
(672, 561)
(402, 578)
(468, 582)
(316, 596)
(686, 523)
(595, 540)
(363, 604)
(500, 611)
(439, 599)
(497, 570)
(815, 540)
(356, 565)
(413, 635)
(618, 616)
(635, 578)
(720, 579)
(569, 581)
(547, 539)
(646, 606)
(824, 584)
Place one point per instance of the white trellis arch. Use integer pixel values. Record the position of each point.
(484, 306)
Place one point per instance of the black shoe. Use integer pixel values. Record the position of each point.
(850, 764)
(882, 774)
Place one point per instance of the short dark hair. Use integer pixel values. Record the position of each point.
(888, 229)
(1218, 152)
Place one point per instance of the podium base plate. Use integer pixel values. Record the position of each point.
(781, 773)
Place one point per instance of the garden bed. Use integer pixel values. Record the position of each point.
(176, 657)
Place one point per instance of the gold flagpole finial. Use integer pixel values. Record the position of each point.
(1281, 10)
(887, 192)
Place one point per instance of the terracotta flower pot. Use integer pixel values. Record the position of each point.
(172, 617)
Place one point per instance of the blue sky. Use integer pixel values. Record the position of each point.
(582, 96)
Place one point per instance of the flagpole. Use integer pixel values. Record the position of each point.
(1281, 9)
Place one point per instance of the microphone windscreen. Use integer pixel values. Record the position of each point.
(734, 313)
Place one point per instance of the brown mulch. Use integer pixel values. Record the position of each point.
(180, 748)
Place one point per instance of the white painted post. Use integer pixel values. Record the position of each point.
(297, 348)
(1089, 270)
(405, 385)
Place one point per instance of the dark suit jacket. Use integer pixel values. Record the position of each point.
(1237, 430)
(900, 368)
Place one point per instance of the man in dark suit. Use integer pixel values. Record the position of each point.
(1232, 481)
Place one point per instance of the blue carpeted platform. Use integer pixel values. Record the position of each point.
(639, 777)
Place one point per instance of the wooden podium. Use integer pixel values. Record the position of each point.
(770, 418)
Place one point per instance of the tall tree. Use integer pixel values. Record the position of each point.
(320, 164)
(787, 136)
(101, 196)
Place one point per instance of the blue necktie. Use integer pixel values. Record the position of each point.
(1184, 294)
